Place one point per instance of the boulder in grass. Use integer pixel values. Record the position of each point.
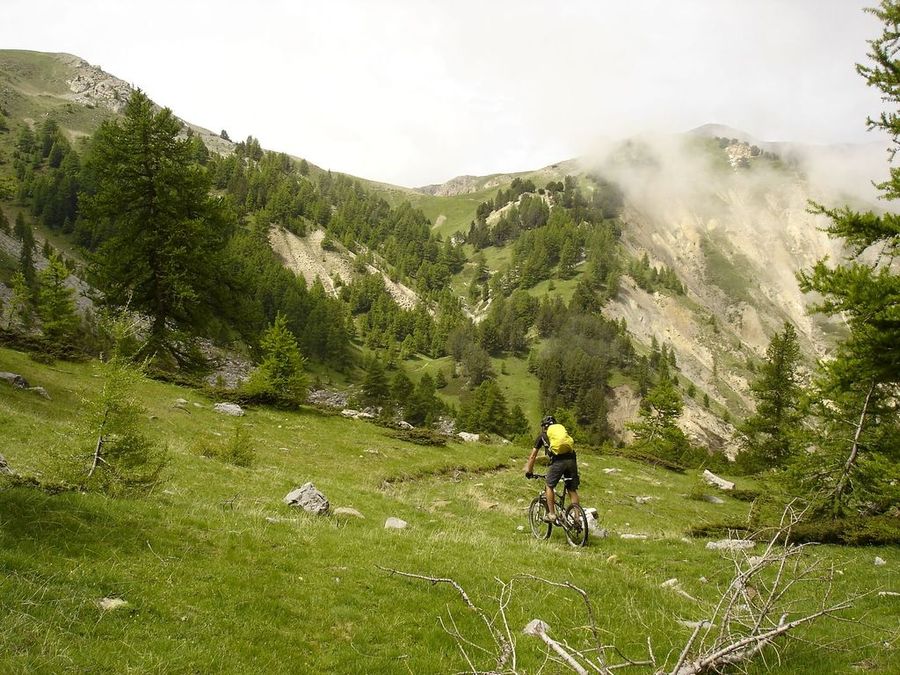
(469, 438)
(14, 380)
(395, 524)
(308, 498)
(232, 409)
(713, 479)
(4, 467)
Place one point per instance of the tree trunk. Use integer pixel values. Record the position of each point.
(849, 465)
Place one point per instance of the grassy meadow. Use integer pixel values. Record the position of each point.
(219, 576)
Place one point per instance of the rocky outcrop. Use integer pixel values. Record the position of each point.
(330, 399)
(91, 86)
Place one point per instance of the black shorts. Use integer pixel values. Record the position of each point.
(563, 466)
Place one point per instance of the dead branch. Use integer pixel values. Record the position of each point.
(505, 646)
(98, 457)
(538, 628)
(751, 613)
(747, 608)
(844, 480)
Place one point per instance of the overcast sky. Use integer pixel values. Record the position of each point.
(417, 91)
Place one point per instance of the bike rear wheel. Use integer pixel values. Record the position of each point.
(536, 513)
(576, 525)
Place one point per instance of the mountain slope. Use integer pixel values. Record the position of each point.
(726, 217)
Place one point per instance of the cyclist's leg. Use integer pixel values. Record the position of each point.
(554, 475)
(551, 502)
(571, 473)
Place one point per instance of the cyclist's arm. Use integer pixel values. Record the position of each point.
(529, 465)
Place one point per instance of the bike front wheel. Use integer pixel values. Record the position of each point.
(576, 525)
(536, 512)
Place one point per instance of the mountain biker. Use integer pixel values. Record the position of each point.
(561, 466)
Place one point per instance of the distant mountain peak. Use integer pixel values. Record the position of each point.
(723, 131)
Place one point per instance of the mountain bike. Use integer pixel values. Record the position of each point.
(571, 518)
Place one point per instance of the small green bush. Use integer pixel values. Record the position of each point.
(420, 437)
(237, 449)
(859, 531)
(719, 530)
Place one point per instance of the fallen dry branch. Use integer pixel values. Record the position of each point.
(753, 611)
(506, 649)
(759, 591)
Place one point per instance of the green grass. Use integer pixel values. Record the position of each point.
(220, 576)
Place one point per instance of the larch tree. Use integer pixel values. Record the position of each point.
(162, 229)
(857, 447)
(56, 303)
(769, 435)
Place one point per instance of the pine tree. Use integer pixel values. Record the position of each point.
(19, 307)
(164, 228)
(857, 391)
(375, 385)
(56, 303)
(401, 389)
(657, 431)
(423, 406)
(123, 459)
(770, 434)
(280, 377)
(25, 235)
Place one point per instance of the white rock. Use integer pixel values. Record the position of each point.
(612, 471)
(643, 500)
(469, 438)
(520, 528)
(713, 479)
(880, 562)
(229, 409)
(347, 511)
(669, 583)
(730, 545)
(395, 524)
(109, 604)
(405, 425)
